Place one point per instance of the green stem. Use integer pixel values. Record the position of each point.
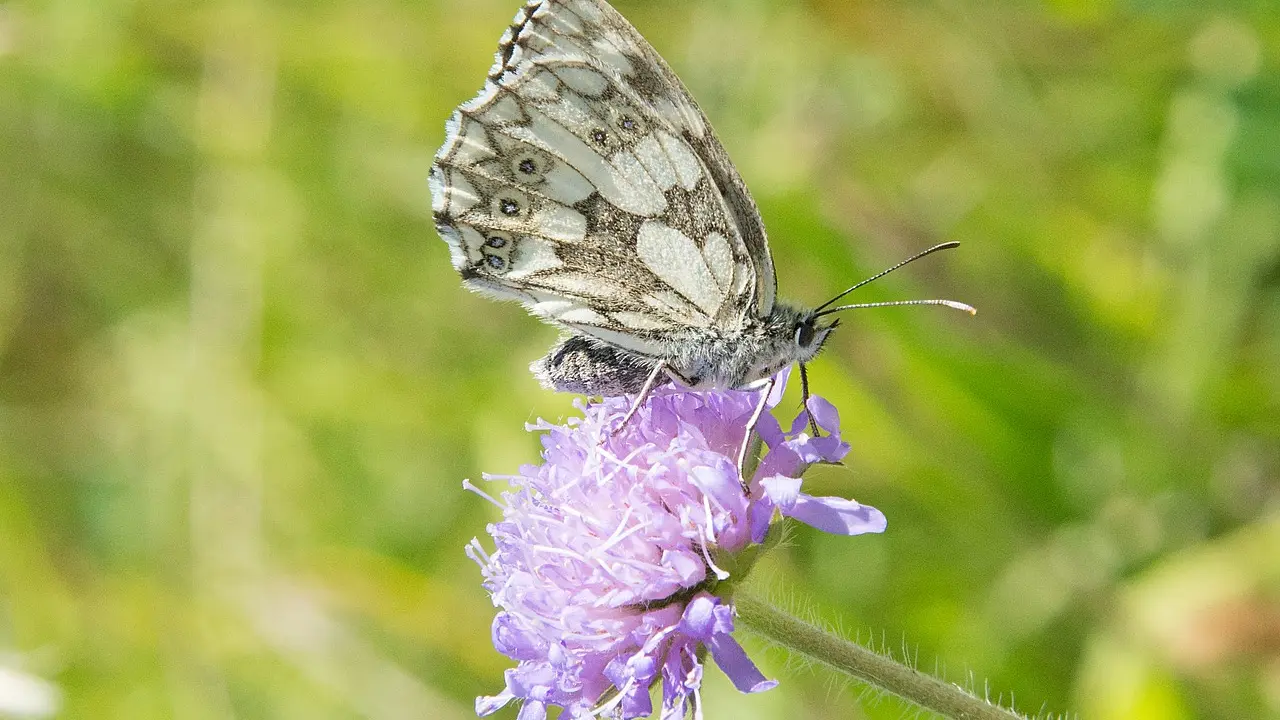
(862, 664)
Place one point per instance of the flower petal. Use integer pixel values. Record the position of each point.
(490, 704)
(724, 618)
(733, 660)
(779, 387)
(812, 450)
(761, 516)
(799, 424)
(781, 460)
(531, 679)
(837, 515)
(510, 640)
(632, 676)
(782, 491)
(829, 448)
(686, 564)
(722, 486)
(637, 703)
(769, 429)
(699, 619)
(532, 710)
(826, 415)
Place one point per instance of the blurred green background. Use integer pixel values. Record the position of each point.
(240, 385)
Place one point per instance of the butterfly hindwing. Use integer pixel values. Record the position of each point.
(584, 182)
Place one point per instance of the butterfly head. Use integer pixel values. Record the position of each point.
(810, 333)
(790, 335)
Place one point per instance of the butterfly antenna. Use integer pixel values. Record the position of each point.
(877, 276)
(947, 303)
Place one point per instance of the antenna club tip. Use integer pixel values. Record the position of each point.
(960, 306)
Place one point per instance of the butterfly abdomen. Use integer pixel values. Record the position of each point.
(578, 364)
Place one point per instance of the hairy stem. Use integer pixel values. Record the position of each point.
(862, 664)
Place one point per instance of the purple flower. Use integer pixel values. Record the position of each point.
(608, 553)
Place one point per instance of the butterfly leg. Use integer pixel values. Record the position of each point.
(649, 384)
(804, 391)
(751, 428)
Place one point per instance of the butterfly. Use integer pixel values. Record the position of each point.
(584, 182)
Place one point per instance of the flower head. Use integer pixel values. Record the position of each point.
(605, 561)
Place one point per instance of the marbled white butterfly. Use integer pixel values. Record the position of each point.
(584, 182)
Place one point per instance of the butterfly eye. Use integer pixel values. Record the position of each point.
(804, 334)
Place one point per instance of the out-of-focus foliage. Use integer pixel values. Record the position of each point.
(240, 384)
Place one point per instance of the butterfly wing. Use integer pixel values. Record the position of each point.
(584, 181)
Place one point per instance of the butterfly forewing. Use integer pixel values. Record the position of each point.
(584, 182)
